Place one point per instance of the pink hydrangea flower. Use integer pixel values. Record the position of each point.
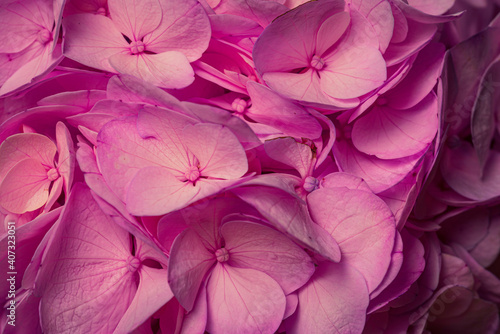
(151, 40)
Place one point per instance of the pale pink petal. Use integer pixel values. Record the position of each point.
(152, 293)
(84, 281)
(363, 226)
(55, 192)
(169, 69)
(185, 28)
(25, 187)
(235, 304)
(291, 153)
(135, 19)
(219, 153)
(259, 247)
(188, 264)
(26, 146)
(298, 86)
(292, 301)
(196, 321)
(289, 214)
(389, 133)
(334, 301)
(262, 12)
(92, 39)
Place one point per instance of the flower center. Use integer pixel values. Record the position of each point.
(192, 174)
(310, 184)
(317, 63)
(137, 47)
(52, 174)
(133, 263)
(222, 255)
(44, 36)
(239, 105)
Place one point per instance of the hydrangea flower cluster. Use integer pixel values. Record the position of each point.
(257, 166)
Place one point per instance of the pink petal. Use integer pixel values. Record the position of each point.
(92, 39)
(379, 174)
(185, 28)
(261, 248)
(291, 153)
(334, 301)
(235, 301)
(66, 160)
(330, 31)
(188, 264)
(135, 19)
(288, 42)
(339, 179)
(156, 191)
(25, 187)
(84, 281)
(152, 293)
(391, 134)
(412, 267)
(263, 12)
(289, 214)
(270, 108)
(196, 320)
(169, 69)
(422, 78)
(21, 22)
(32, 70)
(363, 226)
(432, 7)
(26, 146)
(217, 149)
(381, 18)
(461, 170)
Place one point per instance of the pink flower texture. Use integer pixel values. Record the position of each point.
(256, 166)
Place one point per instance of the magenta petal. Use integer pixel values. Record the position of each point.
(391, 134)
(363, 226)
(23, 146)
(85, 282)
(92, 39)
(188, 264)
(25, 187)
(133, 18)
(334, 301)
(235, 304)
(152, 293)
(169, 69)
(217, 149)
(261, 248)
